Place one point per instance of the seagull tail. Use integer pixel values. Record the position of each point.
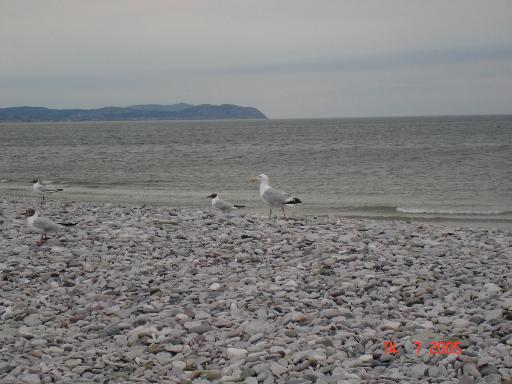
(68, 224)
(239, 206)
(295, 200)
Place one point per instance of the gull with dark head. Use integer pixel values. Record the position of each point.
(43, 225)
(272, 197)
(223, 205)
(44, 187)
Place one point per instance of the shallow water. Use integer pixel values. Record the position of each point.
(436, 168)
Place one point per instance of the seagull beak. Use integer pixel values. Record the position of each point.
(253, 179)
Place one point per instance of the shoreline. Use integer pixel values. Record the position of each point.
(158, 294)
(462, 220)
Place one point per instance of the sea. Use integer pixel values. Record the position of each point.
(441, 169)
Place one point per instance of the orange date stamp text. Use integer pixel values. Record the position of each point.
(434, 347)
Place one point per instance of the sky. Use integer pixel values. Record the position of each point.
(288, 58)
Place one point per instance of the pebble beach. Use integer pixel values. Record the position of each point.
(161, 295)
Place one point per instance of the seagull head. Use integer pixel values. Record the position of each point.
(212, 196)
(29, 212)
(261, 178)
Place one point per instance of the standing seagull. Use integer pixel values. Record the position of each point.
(43, 225)
(43, 188)
(223, 205)
(272, 197)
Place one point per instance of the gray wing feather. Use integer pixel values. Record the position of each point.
(45, 224)
(273, 196)
(48, 188)
(223, 205)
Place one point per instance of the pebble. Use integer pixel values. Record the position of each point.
(393, 325)
(215, 287)
(164, 358)
(154, 294)
(31, 378)
(418, 371)
(236, 353)
(71, 363)
(111, 330)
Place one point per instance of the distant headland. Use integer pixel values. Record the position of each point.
(181, 111)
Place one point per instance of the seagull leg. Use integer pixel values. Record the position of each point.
(270, 215)
(41, 241)
(284, 215)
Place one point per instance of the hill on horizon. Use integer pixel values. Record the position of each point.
(180, 111)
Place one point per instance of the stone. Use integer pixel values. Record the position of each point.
(236, 353)
(470, 369)
(460, 323)
(315, 356)
(26, 332)
(215, 287)
(393, 325)
(493, 378)
(417, 371)
(55, 350)
(111, 330)
(277, 369)
(365, 358)
(32, 320)
(465, 379)
(175, 348)
(72, 363)
(32, 378)
(164, 358)
(178, 364)
(494, 314)
(155, 348)
(437, 371)
(492, 288)
(488, 370)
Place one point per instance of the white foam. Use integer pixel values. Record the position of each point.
(448, 211)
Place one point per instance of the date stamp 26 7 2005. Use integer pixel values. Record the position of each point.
(435, 347)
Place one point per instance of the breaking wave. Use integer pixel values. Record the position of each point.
(425, 211)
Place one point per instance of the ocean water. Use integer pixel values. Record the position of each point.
(456, 169)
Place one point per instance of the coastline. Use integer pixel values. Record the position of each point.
(153, 293)
(195, 199)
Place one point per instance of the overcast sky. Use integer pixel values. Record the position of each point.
(289, 58)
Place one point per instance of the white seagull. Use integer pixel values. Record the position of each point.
(272, 197)
(43, 225)
(223, 205)
(44, 187)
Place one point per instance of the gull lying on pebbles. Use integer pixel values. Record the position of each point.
(272, 197)
(43, 225)
(44, 187)
(223, 205)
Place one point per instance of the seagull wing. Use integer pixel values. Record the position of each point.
(273, 196)
(45, 225)
(223, 205)
(49, 188)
